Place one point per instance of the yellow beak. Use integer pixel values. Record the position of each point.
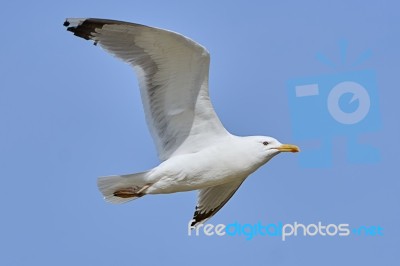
(288, 148)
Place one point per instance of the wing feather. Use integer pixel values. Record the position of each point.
(212, 199)
(173, 78)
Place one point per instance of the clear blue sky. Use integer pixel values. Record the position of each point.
(70, 113)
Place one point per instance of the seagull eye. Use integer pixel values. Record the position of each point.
(265, 143)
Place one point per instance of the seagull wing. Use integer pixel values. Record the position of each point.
(212, 199)
(173, 78)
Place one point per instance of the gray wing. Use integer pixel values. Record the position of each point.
(173, 78)
(212, 199)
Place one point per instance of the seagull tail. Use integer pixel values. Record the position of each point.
(123, 188)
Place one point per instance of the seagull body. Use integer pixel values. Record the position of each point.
(196, 151)
(235, 162)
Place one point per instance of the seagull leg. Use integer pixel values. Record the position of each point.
(131, 192)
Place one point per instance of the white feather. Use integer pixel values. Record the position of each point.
(109, 184)
(173, 77)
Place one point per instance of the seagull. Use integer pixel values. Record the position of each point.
(195, 150)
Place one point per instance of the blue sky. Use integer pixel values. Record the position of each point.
(70, 113)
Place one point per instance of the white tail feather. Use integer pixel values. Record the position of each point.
(109, 184)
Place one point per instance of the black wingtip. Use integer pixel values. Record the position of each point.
(85, 28)
(193, 223)
(199, 218)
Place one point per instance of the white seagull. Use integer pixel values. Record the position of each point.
(196, 151)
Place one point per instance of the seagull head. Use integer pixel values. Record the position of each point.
(268, 147)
